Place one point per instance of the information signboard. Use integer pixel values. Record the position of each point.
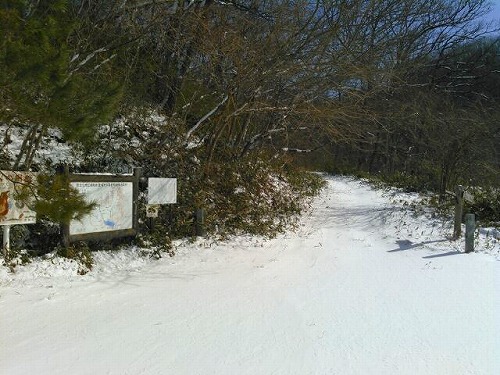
(113, 211)
(12, 210)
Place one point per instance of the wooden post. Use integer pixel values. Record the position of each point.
(200, 222)
(170, 218)
(470, 228)
(6, 241)
(459, 208)
(65, 226)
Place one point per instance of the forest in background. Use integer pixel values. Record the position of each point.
(237, 98)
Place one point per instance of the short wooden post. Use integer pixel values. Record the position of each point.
(6, 241)
(459, 208)
(64, 171)
(200, 222)
(470, 228)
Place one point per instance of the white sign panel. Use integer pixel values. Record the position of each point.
(162, 190)
(12, 211)
(152, 210)
(114, 210)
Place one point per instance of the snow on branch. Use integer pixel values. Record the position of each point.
(205, 117)
(89, 57)
(299, 150)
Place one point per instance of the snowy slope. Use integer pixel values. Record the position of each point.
(363, 287)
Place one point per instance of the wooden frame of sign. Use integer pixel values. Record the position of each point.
(104, 180)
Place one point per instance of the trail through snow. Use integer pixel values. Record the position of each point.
(362, 287)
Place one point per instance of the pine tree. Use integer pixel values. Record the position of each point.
(39, 86)
(42, 87)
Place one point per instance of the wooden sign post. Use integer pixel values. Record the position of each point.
(6, 241)
(200, 222)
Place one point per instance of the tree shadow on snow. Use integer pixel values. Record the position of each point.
(137, 278)
(408, 245)
(364, 217)
(443, 254)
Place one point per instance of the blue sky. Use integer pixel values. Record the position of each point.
(495, 11)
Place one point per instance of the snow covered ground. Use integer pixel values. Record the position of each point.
(364, 286)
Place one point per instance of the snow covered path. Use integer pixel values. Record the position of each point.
(360, 288)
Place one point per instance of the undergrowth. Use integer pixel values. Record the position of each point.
(484, 202)
(79, 252)
(259, 193)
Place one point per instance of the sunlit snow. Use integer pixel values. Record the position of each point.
(363, 286)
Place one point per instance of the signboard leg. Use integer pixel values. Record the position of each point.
(6, 241)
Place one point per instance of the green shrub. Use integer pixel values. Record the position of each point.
(16, 257)
(80, 252)
(256, 193)
(485, 205)
(156, 243)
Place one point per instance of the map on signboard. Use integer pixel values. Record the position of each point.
(12, 185)
(162, 190)
(114, 210)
